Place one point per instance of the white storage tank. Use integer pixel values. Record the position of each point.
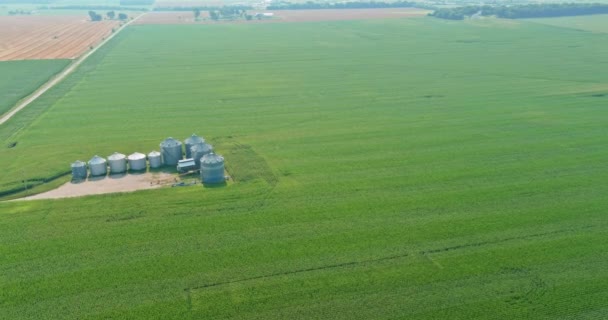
(117, 162)
(212, 168)
(171, 151)
(98, 166)
(79, 170)
(154, 159)
(191, 141)
(200, 150)
(137, 161)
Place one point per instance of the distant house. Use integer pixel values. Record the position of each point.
(264, 15)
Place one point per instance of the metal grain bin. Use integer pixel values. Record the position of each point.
(200, 150)
(117, 162)
(212, 168)
(137, 161)
(79, 170)
(98, 166)
(171, 151)
(154, 159)
(191, 141)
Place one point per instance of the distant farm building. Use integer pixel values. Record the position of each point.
(264, 15)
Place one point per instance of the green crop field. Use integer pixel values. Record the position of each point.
(20, 78)
(594, 23)
(403, 169)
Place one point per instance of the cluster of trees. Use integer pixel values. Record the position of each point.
(339, 5)
(95, 16)
(19, 12)
(229, 13)
(523, 11)
(110, 14)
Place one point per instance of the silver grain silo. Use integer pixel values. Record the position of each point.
(79, 170)
(117, 162)
(137, 161)
(171, 151)
(212, 168)
(190, 141)
(98, 166)
(200, 150)
(154, 159)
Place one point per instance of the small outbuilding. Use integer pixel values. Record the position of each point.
(186, 165)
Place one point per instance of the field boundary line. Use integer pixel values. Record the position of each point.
(60, 76)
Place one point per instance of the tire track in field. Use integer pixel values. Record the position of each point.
(285, 273)
(424, 253)
(62, 75)
(490, 242)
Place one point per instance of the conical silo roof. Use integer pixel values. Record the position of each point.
(212, 158)
(170, 142)
(116, 156)
(78, 163)
(194, 139)
(137, 156)
(154, 154)
(97, 160)
(202, 148)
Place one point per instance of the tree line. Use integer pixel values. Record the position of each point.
(110, 14)
(522, 11)
(340, 5)
(19, 12)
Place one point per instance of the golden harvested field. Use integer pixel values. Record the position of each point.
(49, 37)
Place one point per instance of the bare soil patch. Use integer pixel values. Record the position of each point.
(109, 184)
(50, 37)
(187, 17)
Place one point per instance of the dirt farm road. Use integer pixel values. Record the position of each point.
(56, 79)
